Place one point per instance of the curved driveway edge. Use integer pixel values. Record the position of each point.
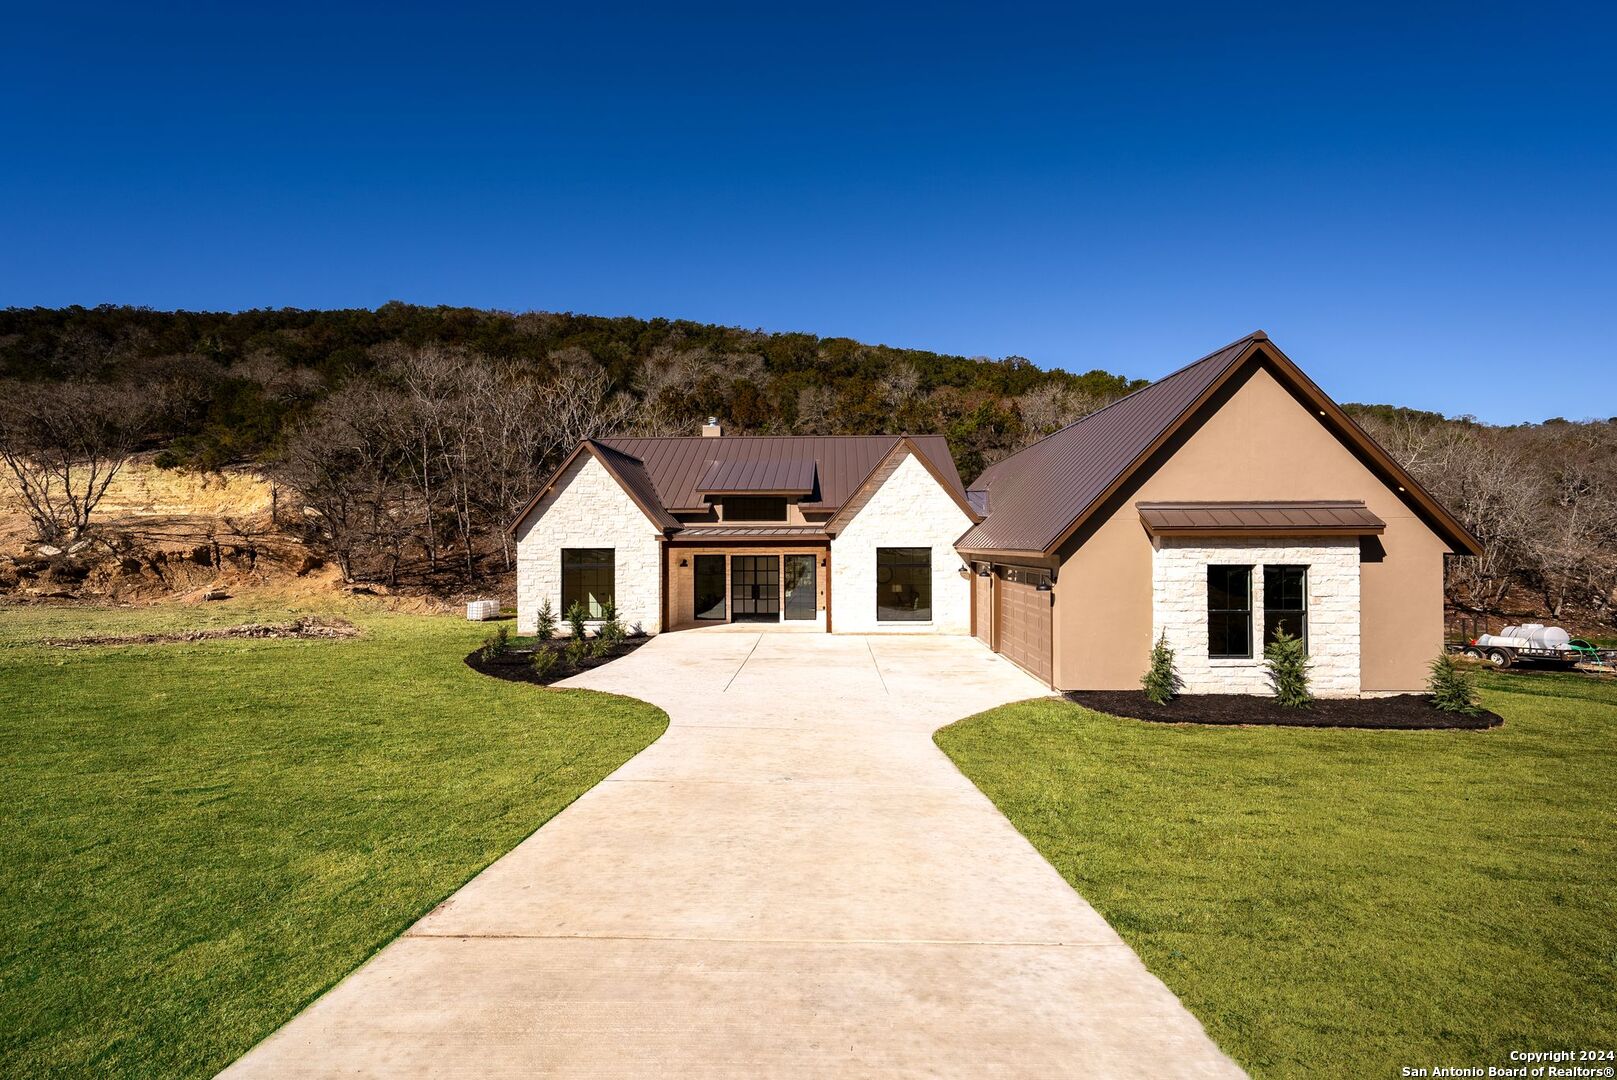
(792, 881)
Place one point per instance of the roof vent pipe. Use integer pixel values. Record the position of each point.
(711, 429)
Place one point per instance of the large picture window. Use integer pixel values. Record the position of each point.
(1229, 611)
(1285, 602)
(904, 584)
(586, 579)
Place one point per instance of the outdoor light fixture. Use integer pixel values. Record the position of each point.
(822, 560)
(684, 562)
(1043, 586)
(985, 572)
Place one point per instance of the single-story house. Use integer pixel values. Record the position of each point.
(1222, 502)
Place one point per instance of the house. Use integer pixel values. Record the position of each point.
(1221, 503)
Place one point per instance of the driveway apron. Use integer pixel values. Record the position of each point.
(792, 881)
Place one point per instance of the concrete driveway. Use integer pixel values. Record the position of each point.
(793, 881)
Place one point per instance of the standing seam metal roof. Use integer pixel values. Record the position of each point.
(1036, 493)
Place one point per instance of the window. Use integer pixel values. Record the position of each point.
(586, 578)
(754, 508)
(1285, 602)
(904, 584)
(1229, 611)
(710, 587)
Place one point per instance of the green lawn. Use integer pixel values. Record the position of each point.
(1342, 903)
(201, 838)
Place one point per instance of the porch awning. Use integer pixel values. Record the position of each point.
(1323, 517)
(696, 533)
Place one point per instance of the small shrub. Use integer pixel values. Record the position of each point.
(611, 629)
(575, 620)
(496, 644)
(1287, 662)
(1161, 681)
(1452, 688)
(600, 648)
(547, 622)
(544, 662)
(574, 652)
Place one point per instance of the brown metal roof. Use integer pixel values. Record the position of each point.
(1034, 494)
(1317, 518)
(1039, 496)
(773, 476)
(678, 465)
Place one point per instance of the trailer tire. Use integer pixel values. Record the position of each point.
(1500, 658)
(1472, 654)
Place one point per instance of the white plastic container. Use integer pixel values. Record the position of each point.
(482, 610)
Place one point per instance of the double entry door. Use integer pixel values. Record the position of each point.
(763, 588)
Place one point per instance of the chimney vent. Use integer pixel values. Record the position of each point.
(711, 429)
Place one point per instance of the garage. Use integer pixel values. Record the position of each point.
(1022, 622)
(982, 606)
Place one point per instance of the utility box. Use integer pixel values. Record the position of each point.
(482, 610)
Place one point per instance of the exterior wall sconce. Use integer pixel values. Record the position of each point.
(985, 572)
(822, 560)
(1043, 586)
(684, 562)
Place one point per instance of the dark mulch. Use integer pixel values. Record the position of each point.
(516, 665)
(1405, 711)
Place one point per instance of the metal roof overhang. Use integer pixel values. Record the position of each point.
(1276, 518)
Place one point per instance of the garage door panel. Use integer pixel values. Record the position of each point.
(1025, 627)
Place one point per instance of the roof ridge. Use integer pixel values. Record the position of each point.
(732, 438)
(1256, 335)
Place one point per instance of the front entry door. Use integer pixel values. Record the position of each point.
(800, 586)
(755, 588)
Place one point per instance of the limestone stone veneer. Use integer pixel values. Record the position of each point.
(1179, 606)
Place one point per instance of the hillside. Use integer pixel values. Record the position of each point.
(400, 441)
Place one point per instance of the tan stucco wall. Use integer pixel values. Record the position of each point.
(1261, 443)
(682, 580)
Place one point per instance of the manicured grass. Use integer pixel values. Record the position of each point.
(201, 838)
(1342, 903)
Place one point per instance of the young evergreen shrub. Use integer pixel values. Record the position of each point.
(496, 644)
(547, 621)
(611, 630)
(1161, 680)
(1287, 662)
(574, 652)
(544, 661)
(575, 620)
(1453, 689)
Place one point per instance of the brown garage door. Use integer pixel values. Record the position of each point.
(982, 610)
(1024, 624)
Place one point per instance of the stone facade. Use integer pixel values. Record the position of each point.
(909, 509)
(1179, 606)
(587, 508)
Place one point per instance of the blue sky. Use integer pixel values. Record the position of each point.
(1419, 203)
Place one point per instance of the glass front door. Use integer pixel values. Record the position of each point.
(755, 588)
(709, 587)
(800, 586)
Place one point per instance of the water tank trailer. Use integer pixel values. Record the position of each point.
(1549, 645)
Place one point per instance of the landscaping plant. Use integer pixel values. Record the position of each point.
(1161, 680)
(611, 630)
(544, 661)
(574, 652)
(1287, 662)
(547, 621)
(575, 620)
(1452, 688)
(496, 644)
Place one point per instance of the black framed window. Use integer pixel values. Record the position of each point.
(709, 598)
(1229, 611)
(754, 508)
(904, 584)
(586, 578)
(1285, 602)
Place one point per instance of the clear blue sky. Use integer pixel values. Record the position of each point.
(1419, 203)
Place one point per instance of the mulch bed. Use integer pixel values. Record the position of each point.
(516, 665)
(308, 627)
(1408, 712)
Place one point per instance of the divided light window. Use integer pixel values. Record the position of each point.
(1285, 602)
(1229, 611)
(586, 578)
(904, 584)
(754, 508)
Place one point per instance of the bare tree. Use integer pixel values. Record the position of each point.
(1048, 408)
(62, 445)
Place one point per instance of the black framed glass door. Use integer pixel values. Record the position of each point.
(709, 599)
(754, 588)
(800, 586)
